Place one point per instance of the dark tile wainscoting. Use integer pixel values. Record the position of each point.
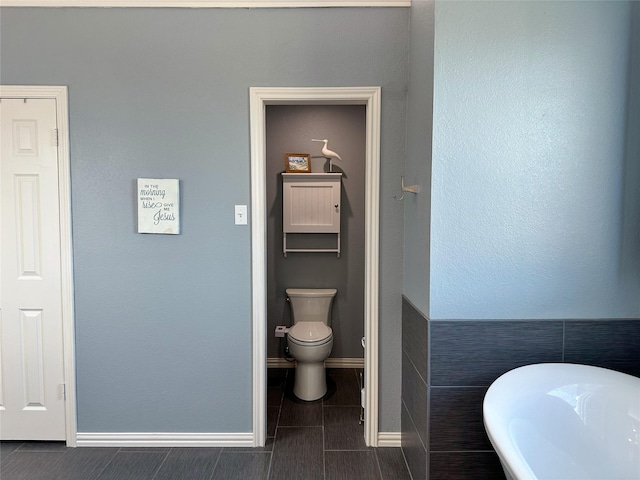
(447, 366)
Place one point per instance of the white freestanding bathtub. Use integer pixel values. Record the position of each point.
(565, 422)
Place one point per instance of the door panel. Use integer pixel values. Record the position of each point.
(32, 403)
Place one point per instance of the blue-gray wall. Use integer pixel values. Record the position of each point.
(163, 323)
(529, 162)
(630, 249)
(417, 208)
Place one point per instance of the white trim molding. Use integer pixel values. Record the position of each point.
(207, 3)
(390, 439)
(60, 95)
(275, 362)
(260, 97)
(127, 439)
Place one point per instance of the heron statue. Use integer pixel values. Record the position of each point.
(330, 154)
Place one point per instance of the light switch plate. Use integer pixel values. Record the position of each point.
(241, 215)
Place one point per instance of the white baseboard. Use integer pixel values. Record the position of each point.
(389, 439)
(128, 439)
(273, 362)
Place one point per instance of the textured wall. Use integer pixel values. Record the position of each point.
(290, 128)
(164, 322)
(417, 169)
(629, 262)
(529, 162)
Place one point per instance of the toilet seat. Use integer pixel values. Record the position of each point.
(310, 333)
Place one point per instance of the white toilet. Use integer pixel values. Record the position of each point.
(310, 339)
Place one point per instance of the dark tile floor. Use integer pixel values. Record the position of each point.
(306, 440)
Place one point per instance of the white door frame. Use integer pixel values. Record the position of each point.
(59, 94)
(260, 97)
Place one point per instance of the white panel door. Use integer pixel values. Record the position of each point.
(32, 405)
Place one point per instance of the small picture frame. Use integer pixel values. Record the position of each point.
(297, 162)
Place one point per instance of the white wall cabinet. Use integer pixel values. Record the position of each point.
(311, 204)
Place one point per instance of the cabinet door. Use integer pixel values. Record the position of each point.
(311, 206)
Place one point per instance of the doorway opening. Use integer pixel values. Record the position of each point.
(260, 98)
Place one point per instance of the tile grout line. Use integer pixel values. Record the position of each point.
(378, 463)
(366, 449)
(12, 451)
(213, 472)
(275, 433)
(166, 455)
(283, 387)
(324, 456)
(106, 465)
(406, 464)
(155, 474)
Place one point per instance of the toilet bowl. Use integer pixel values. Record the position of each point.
(310, 339)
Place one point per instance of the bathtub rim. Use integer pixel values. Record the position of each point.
(513, 463)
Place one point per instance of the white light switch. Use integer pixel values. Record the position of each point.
(241, 215)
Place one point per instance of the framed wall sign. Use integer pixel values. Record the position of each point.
(297, 162)
(158, 205)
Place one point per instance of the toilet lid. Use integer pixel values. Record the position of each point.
(309, 331)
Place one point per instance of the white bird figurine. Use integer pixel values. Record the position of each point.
(330, 154)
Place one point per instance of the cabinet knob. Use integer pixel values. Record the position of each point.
(336, 205)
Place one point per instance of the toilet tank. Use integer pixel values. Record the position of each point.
(311, 304)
